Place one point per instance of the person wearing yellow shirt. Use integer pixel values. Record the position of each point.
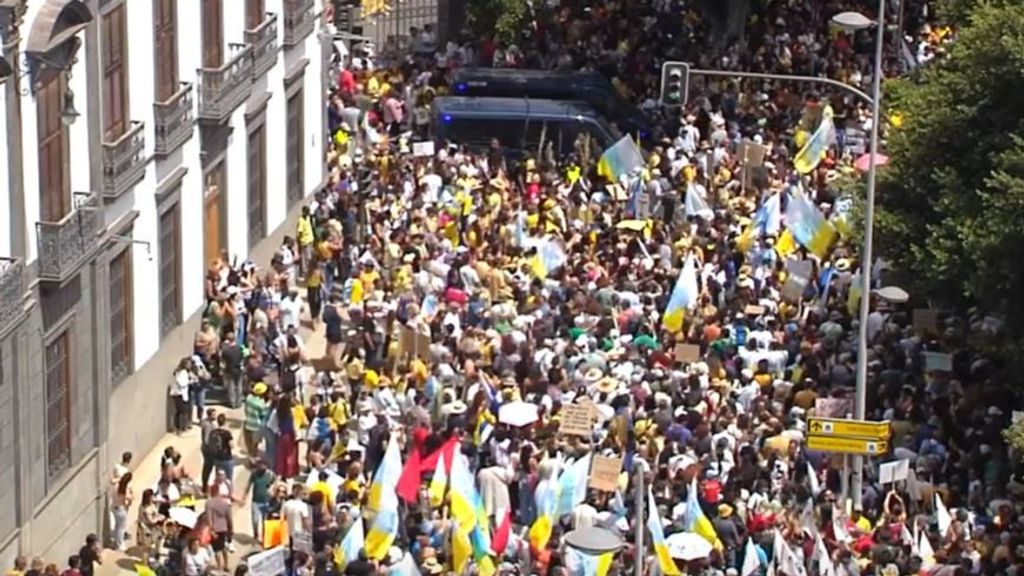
(304, 237)
(324, 488)
(368, 277)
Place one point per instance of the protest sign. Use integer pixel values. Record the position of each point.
(937, 362)
(267, 563)
(753, 311)
(926, 322)
(576, 419)
(302, 543)
(833, 407)
(604, 473)
(422, 149)
(894, 471)
(687, 353)
(798, 274)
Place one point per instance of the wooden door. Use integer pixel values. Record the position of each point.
(213, 232)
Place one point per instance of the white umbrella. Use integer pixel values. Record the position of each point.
(183, 517)
(518, 414)
(687, 546)
(893, 294)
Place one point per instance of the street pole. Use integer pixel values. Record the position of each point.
(860, 400)
(638, 551)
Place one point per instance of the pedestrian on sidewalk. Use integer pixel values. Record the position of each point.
(220, 450)
(231, 369)
(206, 427)
(260, 484)
(219, 515)
(257, 409)
(123, 497)
(179, 393)
(149, 532)
(196, 558)
(74, 567)
(90, 555)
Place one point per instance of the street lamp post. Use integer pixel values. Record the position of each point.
(856, 21)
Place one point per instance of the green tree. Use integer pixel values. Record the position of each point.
(951, 202)
(505, 19)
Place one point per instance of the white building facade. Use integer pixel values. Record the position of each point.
(141, 141)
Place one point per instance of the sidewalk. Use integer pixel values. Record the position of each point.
(146, 473)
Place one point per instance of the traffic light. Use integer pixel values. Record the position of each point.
(674, 83)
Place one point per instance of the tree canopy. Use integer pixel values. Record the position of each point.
(951, 201)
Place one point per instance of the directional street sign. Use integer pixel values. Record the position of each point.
(847, 445)
(849, 428)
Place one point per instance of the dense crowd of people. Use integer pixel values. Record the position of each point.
(514, 347)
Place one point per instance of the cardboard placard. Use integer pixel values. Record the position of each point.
(267, 563)
(576, 420)
(421, 149)
(926, 321)
(302, 543)
(798, 273)
(752, 310)
(406, 341)
(752, 156)
(687, 353)
(833, 407)
(604, 473)
(937, 362)
(421, 349)
(894, 471)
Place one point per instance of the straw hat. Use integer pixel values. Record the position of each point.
(456, 408)
(592, 375)
(259, 389)
(606, 385)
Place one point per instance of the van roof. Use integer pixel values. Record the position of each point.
(517, 107)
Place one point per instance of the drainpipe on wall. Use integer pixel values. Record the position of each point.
(10, 23)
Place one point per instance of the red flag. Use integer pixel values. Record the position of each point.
(412, 474)
(500, 539)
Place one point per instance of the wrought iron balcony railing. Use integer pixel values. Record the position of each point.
(173, 121)
(223, 89)
(124, 161)
(66, 245)
(264, 45)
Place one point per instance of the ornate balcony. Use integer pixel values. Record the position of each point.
(299, 20)
(124, 161)
(264, 45)
(66, 245)
(12, 290)
(223, 89)
(173, 121)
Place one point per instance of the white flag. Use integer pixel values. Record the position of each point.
(695, 203)
(942, 516)
(825, 565)
(751, 561)
(813, 477)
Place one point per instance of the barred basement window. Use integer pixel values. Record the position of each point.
(121, 363)
(58, 404)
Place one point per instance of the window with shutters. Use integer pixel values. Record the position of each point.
(58, 404)
(257, 166)
(115, 72)
(170, 271)
(54, 178)
(213, 33)
(254, 13)
(293, 152)
(121, 348)
(165, 34)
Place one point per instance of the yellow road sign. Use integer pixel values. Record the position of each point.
(847, 445)
(849, 428)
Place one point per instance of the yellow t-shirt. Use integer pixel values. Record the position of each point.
(325, 489)
(368, 279)
(357, 293)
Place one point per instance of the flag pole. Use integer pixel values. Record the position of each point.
(638, 551)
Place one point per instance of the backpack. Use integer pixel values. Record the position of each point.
(217, 446)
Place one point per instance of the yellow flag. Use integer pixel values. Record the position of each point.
(462, 550)
(786, 244)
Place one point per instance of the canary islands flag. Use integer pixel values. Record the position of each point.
(546, 498)
(665, 561)
(385, 479)
(438, 483)
(621, 158)
(812, 153)
(583, 564)
(462, 493)
(696, 521)
(683, 298)
(808, 226)
(384, 528)
(351, 544)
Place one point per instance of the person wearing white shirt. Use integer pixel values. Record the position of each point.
(296, 514)
(290, 310)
